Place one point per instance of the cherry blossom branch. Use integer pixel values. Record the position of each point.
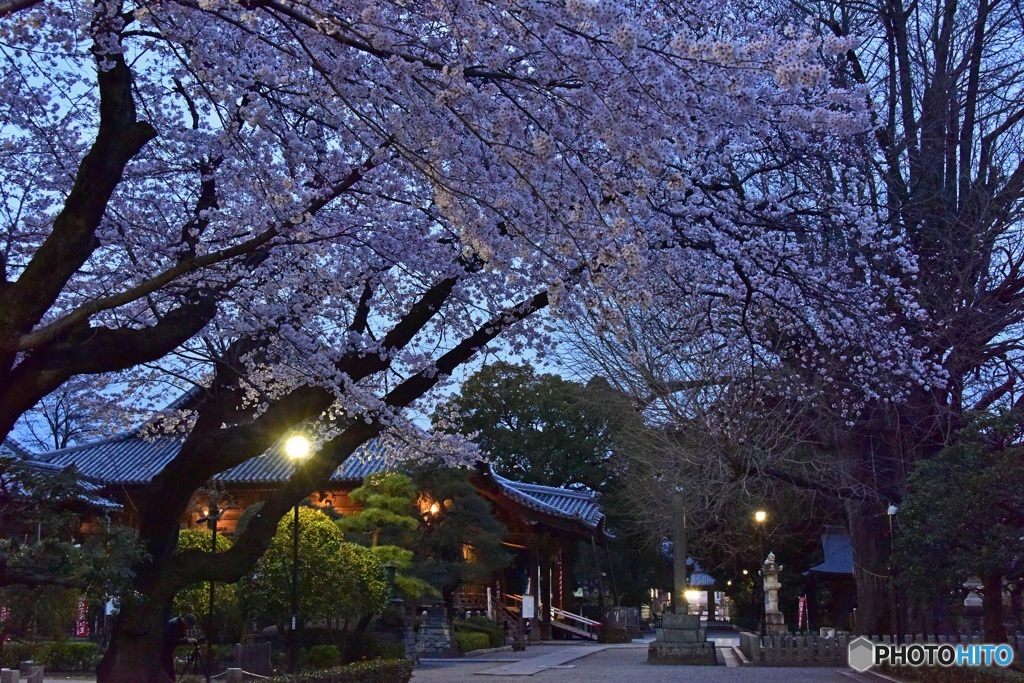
(84, 312)
(9, 8)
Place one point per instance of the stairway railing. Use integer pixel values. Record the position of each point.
(590, 626)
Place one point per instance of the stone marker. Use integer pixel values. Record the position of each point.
(774, 620)
(681, 640)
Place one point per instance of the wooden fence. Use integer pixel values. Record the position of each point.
(809, 650)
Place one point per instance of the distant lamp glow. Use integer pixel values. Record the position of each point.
(760, 516)
(296, 447)
(693, 596)
(435, 508)
(745, 572)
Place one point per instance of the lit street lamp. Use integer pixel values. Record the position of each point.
(296, 448)
(760, 517)
(213, 515)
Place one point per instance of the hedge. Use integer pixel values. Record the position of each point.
(955, 674)
(14, 653)
(495, 633)
(66, 655)
(375, 671)
(322, 656)
(470, 640)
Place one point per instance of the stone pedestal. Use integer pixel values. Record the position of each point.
(10, 675)
(681, 640)
(409, 640)
(31, 672)
(435, 638)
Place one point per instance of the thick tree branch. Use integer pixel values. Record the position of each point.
(73, 238)
(95, 350)
(9, 8)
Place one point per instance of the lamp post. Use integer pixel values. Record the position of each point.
(296, 448)
(760, 517)
(212, 517)
(891, 511)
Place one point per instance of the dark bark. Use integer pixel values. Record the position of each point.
(992, 606)
(137, 640)
(869, 534)
(1015, 605)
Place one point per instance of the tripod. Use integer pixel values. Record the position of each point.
(194, 665)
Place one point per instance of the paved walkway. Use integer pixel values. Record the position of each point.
(621, 663)
(585, 662)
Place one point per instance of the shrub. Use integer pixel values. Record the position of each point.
(15, 652)
(495, 633)
(388, 650)
(376, 671)
(471, 640)
(359, 646)
(68, 655)
(324, 656)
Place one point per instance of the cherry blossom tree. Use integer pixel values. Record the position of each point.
(944, 179)
(317, 211)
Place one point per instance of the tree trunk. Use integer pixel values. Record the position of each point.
(136, 650)
(992, 605)
(1015, 604)
(869, 535)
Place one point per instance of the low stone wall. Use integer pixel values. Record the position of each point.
(807, 650)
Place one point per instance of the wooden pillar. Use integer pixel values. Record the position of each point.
(535, 555)
(545, 592)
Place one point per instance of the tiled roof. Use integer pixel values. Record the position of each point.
(133, 460)
(581, 506)
(121, 460)
(700, 579)
(275, 467)
(89, 492)
(9, 448)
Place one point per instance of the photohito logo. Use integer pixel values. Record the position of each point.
(864, 654)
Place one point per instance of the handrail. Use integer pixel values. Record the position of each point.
(560, 613)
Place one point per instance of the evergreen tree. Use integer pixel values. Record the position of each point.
(537, 428)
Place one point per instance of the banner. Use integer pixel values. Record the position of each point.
(801, 613)
(82, 624)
